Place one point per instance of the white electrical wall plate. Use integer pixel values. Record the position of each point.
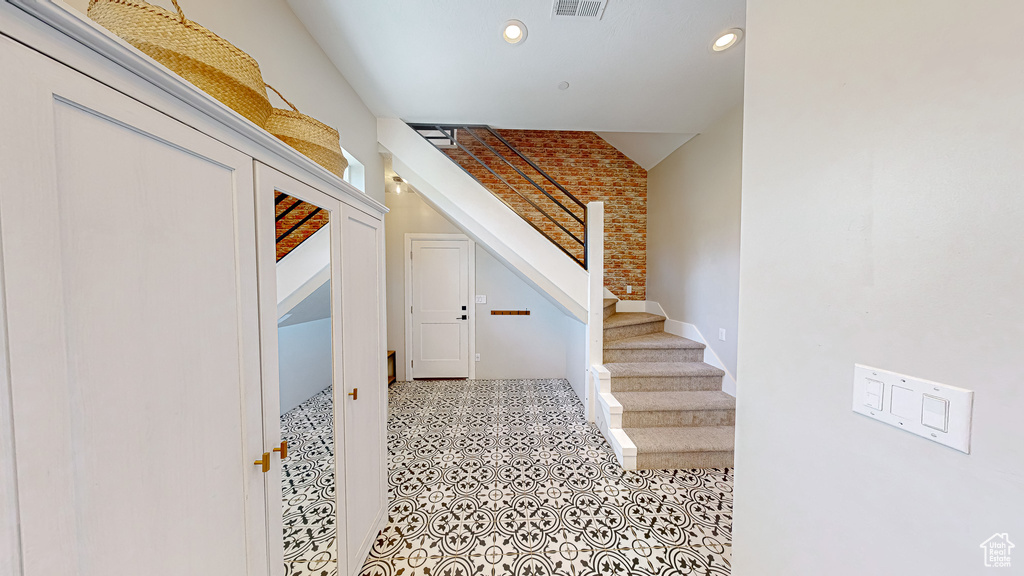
(481, 299)
(938, 412)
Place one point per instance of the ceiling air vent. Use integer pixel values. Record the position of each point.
(592, 9)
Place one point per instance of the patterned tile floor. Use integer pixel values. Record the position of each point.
(507, 477)
(307, 488)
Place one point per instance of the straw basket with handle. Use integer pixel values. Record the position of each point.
(211, 63)
(318, 141)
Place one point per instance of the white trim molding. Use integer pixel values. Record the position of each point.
(690, 331)
(608, 418)
(470, 291)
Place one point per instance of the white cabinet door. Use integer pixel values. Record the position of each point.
(365, 413)
(128, 256)
(269, 184)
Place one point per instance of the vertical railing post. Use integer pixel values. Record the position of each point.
(595, 300)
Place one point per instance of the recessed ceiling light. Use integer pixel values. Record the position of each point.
(727, 40)
(515, 32)
(563, 85)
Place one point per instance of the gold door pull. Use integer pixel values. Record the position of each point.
(283, 449)
(354, 393)
(265, 462)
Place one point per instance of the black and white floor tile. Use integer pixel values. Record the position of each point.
(307, 489)
(507, 477)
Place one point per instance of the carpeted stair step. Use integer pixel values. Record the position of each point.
(609, 307)
(683, 448)
(628, 324)
(676, 409)
(664, 376)
(657, 347)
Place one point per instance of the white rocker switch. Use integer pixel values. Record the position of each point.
(935, 413)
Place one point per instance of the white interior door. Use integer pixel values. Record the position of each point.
(365, 400)
(128, 254)
(440, 308)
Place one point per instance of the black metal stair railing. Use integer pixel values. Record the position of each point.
(517, 181)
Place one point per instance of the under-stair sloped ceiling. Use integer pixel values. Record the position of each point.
(455, 194)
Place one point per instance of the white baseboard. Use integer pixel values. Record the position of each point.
(609, 421)
(690, 331)
(631, 306)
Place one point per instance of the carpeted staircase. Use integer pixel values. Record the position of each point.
(673, 407)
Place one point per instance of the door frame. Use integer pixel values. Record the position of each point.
(410, 237)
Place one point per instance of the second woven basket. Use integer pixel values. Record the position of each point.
(317, 140)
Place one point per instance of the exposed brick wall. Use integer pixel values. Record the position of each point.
(590, 169)
(302, 216)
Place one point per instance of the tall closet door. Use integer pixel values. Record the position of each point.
(365, 370)
(302, 490)
(128, 260)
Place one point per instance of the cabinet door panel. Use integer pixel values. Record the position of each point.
(269, 184)
(364, 368)
(129, 270)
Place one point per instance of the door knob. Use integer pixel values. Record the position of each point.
(462, 318)
(283, 449)
(265, 462)
(354, 393)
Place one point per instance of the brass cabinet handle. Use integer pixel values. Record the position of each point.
(265, 462)
(283, 449)
(354, 393)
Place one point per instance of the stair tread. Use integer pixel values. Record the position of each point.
(620, 319)
(610, 302)
(684, 439)
(656, 341)
(673, 401)
(627, 369)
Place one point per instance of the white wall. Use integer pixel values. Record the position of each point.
(509, 346)
(304, 353)
(408, 214)
(693, 233)
(577, 364)
(882, 223)
(292, 62)
(516, 346)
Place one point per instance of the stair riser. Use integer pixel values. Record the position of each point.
(609, 310)
(683, 460)
(621, 332)
(678, 418)
(654, 355)
(665, 383)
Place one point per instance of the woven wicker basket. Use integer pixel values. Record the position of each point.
(191, 51)
(308, 135)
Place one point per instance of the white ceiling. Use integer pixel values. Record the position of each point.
(645, 148)
(645, 67)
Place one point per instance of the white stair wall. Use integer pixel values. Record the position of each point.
(452, 192)
(303, 270)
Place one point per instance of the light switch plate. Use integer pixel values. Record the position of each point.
(903, 405)
(481, 299)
